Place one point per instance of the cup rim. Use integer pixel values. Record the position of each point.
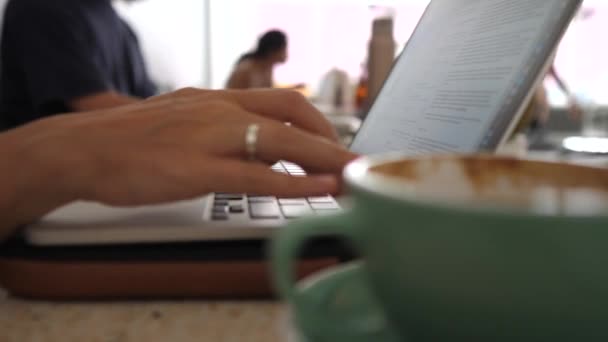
(358, 177)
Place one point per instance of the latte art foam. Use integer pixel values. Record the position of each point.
(537, 187)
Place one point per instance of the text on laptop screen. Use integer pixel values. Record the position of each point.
(464, 75)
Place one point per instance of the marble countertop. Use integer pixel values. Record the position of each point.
(25, 321)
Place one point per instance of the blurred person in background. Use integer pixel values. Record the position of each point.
(63, 56)
(538, 112)
(573, 106)
(255, 69)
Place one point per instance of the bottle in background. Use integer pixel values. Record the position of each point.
(381, 53)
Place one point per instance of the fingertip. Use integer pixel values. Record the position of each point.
(333, 135)
(312, 185)
(327, 184)
(348, 157)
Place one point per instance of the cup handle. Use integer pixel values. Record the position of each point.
(285, 248)
(289, 241)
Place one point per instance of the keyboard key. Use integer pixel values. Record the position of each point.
(237, 209)
(264, 210)
(219, 203)
(295, 170)
(219, 217)
(229, 197)
(260, 199)
(325, 199)
(293, 201)
(219, 208)
(324, 206)
(288, 165)
(296, 211)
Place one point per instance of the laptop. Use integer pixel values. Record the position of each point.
(459, 86)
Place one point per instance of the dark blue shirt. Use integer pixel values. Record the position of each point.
(55, 51)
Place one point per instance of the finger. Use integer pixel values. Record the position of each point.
(255, 178)
(183, 93)
(312, 152)
(279, 142)
(285, 106)
(220, 130)
(281, 105)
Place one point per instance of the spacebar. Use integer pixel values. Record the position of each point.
(264, 210)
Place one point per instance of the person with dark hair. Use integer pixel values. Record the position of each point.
(255, 69)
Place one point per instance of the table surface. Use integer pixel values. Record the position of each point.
(25, 321)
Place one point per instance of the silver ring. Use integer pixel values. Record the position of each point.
(251, 141)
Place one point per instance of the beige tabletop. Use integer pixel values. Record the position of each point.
(25, 321)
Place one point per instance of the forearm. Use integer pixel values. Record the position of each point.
(560, 82)
(105, 100)
(26, 193)
(562, 85)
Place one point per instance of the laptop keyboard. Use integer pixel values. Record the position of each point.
(228, 206)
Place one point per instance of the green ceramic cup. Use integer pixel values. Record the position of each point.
(472, 248)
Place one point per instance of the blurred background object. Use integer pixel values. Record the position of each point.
(67, 56)
(175, 40)
(255, 69)
(381, 52)
(335, 90)
(196, 43)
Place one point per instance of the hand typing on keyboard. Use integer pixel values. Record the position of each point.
(173, 147)
(258, 207)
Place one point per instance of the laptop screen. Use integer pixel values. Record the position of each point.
(464, 76)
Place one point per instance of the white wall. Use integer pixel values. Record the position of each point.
(173, 35)
(583, 55)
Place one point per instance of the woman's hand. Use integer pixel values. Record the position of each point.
(173, 147)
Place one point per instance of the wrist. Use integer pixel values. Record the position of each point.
(34, 181)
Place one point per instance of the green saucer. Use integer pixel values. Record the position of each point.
(337, 305)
